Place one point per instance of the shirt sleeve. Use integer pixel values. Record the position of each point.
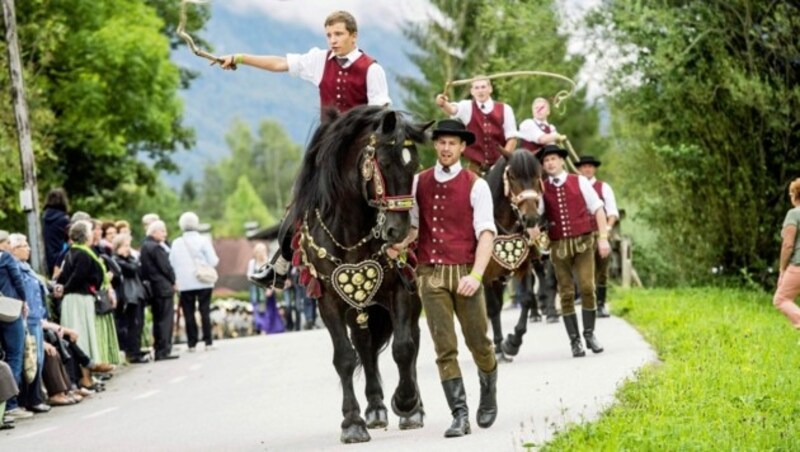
(415, 209)
(792, 218)
(610, 201)
(482, 208)
(307, 66)
(509, 122)
(377, 87)
(463, 111)
(593, 202)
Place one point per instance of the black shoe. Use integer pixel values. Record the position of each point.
(588, 331)
(571, 323)
(267, 277)
(602, 311)
(487, 408)
(536, 318)
(141, 359)
(163, 357)
(457, 400)
(552, 319)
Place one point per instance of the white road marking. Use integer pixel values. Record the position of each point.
(178, 379)
(37, 432)
(101, 412)
(147, 394)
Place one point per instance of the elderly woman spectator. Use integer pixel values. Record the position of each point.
(158, 272)
(55, 222)
(35, 295)
(789, 279)
(104, 321)
(131, 298)
(12, 334)
(189, 252)
(83, 274)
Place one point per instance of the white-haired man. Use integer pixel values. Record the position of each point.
(157, 270)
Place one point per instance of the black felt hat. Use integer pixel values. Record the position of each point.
(453, 127)
(588, 160)
(552, 149)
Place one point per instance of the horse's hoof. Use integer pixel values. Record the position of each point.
(355, 433)
(401, 413)
(503, 358)
(377, 418)
(416, 420)
(509, 348)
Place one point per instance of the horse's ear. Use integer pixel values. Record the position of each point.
(389, 123)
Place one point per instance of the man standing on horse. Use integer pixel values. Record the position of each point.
(346, 77)
(537, 132)
(571, 204)
(588, 165)
(454, 221)
(491, 122)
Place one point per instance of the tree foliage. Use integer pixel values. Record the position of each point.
(243, 206)
(709, 130)
(269, 160)
(103, 97)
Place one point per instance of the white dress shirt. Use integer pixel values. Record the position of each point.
(480, 198)
(593, 202)
(464, 114)
(609, 201)
(531, 130)
(311, 65)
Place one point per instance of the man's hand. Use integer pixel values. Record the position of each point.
(468, 285)
(50, 350)
(604, 248)
(395, 250)
(227, 63)
(534, 233)
(442, 100)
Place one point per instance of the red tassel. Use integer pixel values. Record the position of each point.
(305, 276)
(296, 241)
(297, 258)
(313, 288)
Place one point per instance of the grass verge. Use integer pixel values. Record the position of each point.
(729, 378)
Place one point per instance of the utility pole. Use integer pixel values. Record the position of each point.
(29, 196)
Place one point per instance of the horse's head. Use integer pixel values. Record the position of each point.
(522, 184)
(388, 165)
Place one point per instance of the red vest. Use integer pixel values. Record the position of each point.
(446, 235)
(598, 187)
(344, 88)
(489, 134)
(566, 209)
(531, 146)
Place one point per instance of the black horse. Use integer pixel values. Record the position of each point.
(351, 201)
(516, 188)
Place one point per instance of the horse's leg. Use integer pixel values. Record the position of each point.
(332, 310)
(407, 402)
(513, 341)
(493, 293)
(368, 343)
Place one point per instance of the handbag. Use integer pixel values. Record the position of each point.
(30, 364)
(102, 302)
(10, 308)
(202, 271)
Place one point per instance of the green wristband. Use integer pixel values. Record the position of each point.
(238, 58)
(476, 275)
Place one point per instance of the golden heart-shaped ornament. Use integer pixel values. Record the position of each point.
(510, 251)
(357, 283)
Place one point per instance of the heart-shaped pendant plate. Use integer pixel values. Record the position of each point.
(357, 283)
(510, 251)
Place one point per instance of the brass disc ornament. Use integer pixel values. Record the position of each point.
(358, 283)
(510, 251)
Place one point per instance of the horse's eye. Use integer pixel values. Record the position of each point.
(406, 156)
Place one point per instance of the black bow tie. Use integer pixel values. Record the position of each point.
(555, 181)
(342, 61)
(446, 169)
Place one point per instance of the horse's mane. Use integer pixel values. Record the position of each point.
(522, 164)
(324, 181)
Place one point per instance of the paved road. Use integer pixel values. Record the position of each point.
(280, 393)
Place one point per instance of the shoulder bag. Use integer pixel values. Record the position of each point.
(202, 271)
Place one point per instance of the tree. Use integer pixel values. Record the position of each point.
(103, 96)
(243, 206)
(709, 130)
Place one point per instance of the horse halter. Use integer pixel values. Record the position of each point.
(517, 198)
(371, 171)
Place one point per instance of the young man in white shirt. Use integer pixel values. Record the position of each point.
(492, 123)
(538, 132)
(588, 165)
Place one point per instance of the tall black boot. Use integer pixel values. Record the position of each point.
(588, 331)
(273, 274)
(571, 323)
(457, 400)
(487, 409)
(602, 311)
